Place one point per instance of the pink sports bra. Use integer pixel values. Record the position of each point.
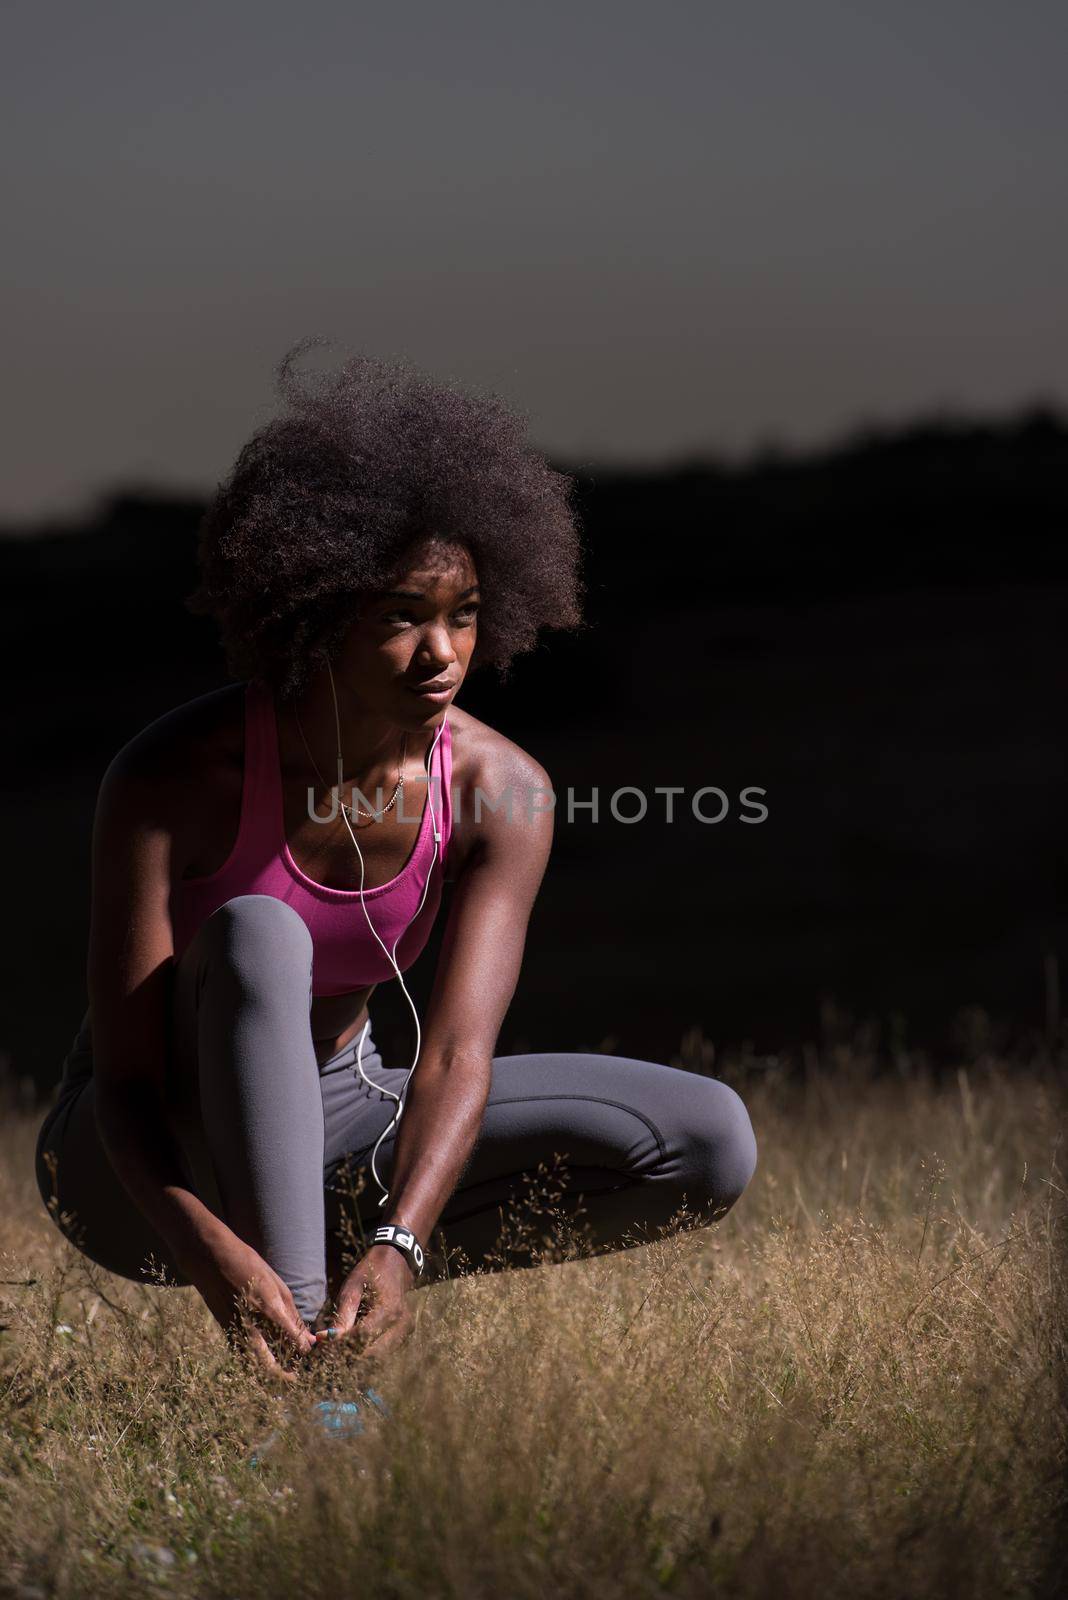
(346, 955)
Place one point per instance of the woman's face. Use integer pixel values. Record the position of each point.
(415, 635)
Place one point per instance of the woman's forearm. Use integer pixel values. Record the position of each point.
(141, 1148)
(438, 1129)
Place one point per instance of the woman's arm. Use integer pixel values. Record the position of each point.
(476, 977)
(129, 976)
(481, 954)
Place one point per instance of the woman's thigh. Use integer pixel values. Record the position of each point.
(91, 1206)
(629, 1140)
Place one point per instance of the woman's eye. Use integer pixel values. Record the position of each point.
(466, 613)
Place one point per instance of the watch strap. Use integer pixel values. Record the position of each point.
(402, 1239)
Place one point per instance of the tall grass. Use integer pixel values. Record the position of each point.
(854, 1383)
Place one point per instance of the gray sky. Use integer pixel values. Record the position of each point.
(658, 229)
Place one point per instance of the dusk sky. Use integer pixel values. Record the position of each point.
(660, 230)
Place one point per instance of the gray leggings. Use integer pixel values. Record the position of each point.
(272, 1140)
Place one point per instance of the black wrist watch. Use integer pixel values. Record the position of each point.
(402, 1239)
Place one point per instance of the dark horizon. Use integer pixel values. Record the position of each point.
(880, 636)
(950, 425)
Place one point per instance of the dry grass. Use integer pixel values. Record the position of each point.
(853, 1384)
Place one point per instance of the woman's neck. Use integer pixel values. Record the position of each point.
(371, 746)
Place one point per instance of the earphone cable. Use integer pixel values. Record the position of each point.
(391, 958)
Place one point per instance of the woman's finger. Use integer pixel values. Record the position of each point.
(290, 1319)
(376, 1319)
(296, 1330)
(271, 1327)
(374, 1327)
(349, 1305)
(263, 1356)
(394, 1334)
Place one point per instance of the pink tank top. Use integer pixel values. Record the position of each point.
(346, 955)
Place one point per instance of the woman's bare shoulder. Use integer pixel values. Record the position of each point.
(192, 749)
(482, 755)
(212, 721)
(493, 777)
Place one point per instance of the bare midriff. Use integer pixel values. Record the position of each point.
(336, 1019)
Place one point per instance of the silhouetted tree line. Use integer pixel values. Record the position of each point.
(914, 875)
(940, 502)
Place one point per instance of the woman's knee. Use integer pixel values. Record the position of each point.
(255, 935)
(720, 1149)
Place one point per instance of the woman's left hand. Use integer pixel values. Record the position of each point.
(378, 1285)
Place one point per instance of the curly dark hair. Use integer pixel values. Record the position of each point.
(323, 500)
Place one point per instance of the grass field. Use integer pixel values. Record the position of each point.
(853, 1384)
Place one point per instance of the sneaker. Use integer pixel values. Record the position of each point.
(339, 1419)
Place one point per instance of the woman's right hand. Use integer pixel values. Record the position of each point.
(249, 1300)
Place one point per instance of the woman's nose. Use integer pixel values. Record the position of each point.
(435, 647)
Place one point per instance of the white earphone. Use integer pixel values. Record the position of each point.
(391, 957)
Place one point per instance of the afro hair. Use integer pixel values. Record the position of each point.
(323, 500)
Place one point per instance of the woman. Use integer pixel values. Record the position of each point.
(223, 1099)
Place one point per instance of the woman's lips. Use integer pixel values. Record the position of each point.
(438, 694)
